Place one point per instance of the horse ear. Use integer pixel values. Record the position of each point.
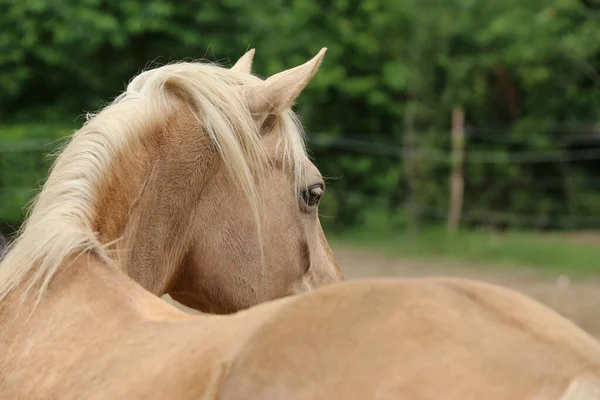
(244, 64)
(279, 91)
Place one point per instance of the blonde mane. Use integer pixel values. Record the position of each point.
(59, 225)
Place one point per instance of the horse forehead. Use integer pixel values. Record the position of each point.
(275, 145)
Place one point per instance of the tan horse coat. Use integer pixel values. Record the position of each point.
(377, 339)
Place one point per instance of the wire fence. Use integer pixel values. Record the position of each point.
(439, 155)
(439, 214)
(444, 156)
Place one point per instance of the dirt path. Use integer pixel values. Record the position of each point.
(578, 300)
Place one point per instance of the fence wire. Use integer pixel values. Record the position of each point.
(427, 211)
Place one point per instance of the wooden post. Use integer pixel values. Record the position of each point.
(457, 183)
(410, 168)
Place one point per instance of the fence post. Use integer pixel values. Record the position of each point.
(457, 183)
(410, 168)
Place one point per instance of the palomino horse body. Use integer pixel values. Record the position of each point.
(383, 339)
(161, 193)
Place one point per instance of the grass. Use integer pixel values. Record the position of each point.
(554, 254)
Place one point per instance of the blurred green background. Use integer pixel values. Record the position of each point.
(378, 114)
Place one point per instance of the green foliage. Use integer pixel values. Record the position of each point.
(25, 156)
(525, 73)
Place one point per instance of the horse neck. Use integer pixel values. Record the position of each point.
(151, 230)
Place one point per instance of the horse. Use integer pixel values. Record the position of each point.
(194, 182)
(81, 316)
(178, 182)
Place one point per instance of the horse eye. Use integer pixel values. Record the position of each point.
(312, 195)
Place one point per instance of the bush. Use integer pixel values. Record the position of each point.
(25, 151)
